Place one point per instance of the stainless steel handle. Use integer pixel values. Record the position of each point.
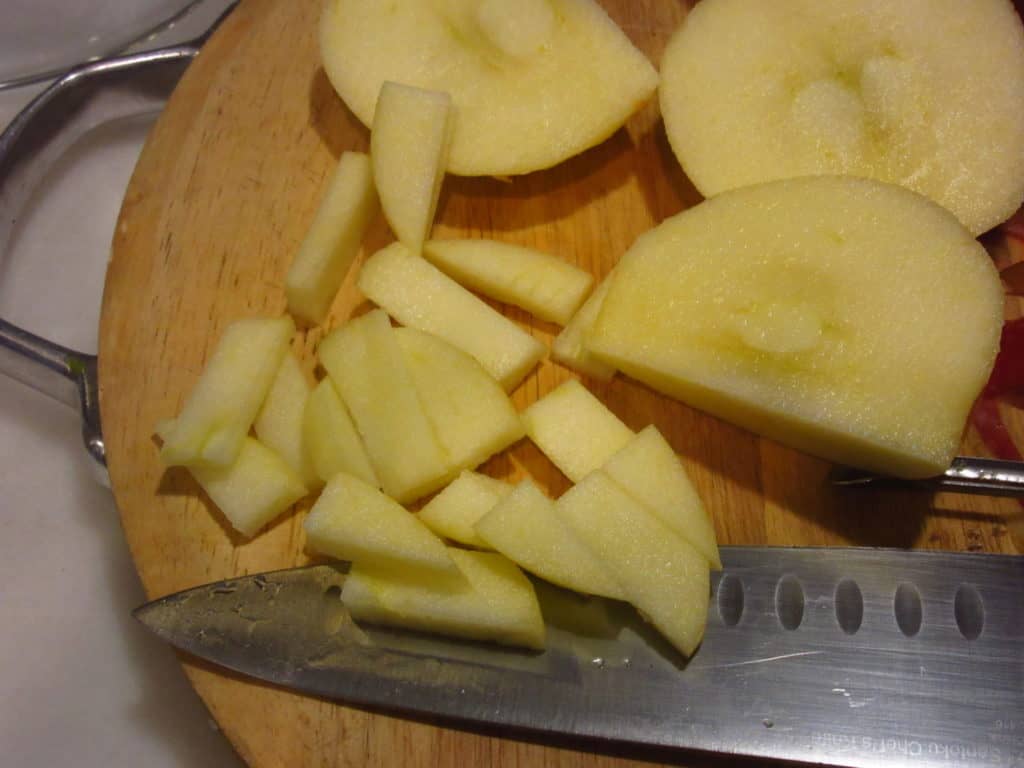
(64, 374)
(84, 98)
(967, 474)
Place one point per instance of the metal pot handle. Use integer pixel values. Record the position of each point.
(84, 98)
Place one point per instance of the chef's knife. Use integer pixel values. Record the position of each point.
(855, 657)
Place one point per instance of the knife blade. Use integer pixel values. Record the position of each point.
(849, 656)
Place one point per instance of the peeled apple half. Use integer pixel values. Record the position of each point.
(928, 94)
(533, 82)
(848, 318)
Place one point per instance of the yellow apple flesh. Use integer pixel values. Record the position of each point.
(543, 285)
(419, 295)
(848, 318)
(492, 601)
(365, 362)
(928, 94)
(354, 521)
(533, 82)
(409, 149)
(332, 241)
(454, 511)
(575, 430)
(525, 528)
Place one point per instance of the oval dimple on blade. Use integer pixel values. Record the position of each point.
(730, 599)
(969, 612)
(908, 609)
(849, 606)
(789, 602)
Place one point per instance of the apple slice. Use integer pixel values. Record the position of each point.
(278, 424)
(649, 470)
(365, 362)
(420, 296)
(533, 81)
(569, 349)
(471, 414)
(543, 285)
(253, 490)
(662, 575)
(409, 146)
(494, 601)
(332, 241)
(821, 312)
(575, 430)
(225, 400)
(354, 521)
(525, 528)
(456, 509)
(331, 438)
(901, 92)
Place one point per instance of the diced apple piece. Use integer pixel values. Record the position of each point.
(543, 285)
(224, 401)
(575, 430)
(354, 521)
(254, 490)
(456, 509)
(649, 470)
(472, 416)
(332, 241)
(409, 146)
(525, 528)
(901, 92)
(331, 438)
(494, 602)
(278, 424)
(420, 296)
(664, 577)
(533, 82)
(366, 364)
(569, 349)
(818, 312)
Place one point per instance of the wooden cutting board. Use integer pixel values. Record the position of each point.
(217, 206)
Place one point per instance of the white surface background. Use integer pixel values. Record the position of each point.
(82, 683)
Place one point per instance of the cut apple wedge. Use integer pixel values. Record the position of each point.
(331, 438)
(332, 241)
(533, 81)
(254, 490)
(456, 509)
(525, 528)
(906, 92)
(278, 424)
(409, 146)
(648, 469)
(225, 400)
(354, 521)
(543, 285)
(366, 364)
(821, 312)
(575, 430)
(569, 348)
(472, 416)
(420, 296)
(493, 601)
(665, 578)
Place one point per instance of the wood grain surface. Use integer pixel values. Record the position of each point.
(218, 204)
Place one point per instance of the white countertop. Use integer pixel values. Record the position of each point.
(82, 682)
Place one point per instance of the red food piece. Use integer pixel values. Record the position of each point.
(986, 419)
(1008, 373)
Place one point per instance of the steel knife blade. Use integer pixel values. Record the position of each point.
(848, 656)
